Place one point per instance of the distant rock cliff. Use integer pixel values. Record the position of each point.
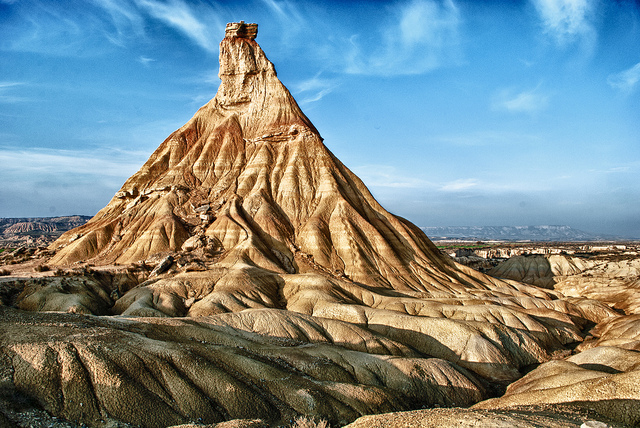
(36, 230)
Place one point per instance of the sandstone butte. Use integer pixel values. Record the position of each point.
(285, 289)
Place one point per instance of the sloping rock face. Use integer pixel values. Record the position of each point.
(604, 376)
(249, 175)
(284, 287)
(606, 380)
(518, 417)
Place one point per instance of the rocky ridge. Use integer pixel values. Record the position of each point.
(253, 276)
(36, 231)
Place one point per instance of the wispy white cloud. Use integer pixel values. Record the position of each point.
(36, 162)
(41, 28)
(61, 29)
(310, 27)
(460, 185)
(422, 37)
(386, 180)
(568, 21)
(187, 20)
(287, 11)
(125, 18)
(529, 101)
(7, 94)
(314, 89)
(47, 182)
(632, 167)
(145, 60)
(387, 176)
(626, 80)
(4, 85)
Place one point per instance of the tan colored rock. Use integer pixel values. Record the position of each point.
(607, 359)
(82, 295)
(614, 396)
(609, 279)
(237, 423)
(87, 369)
(298, 231)
(520, 417)
(278, 198)
(493, 337)
(613, 280)
(622, 332)
(540, 270)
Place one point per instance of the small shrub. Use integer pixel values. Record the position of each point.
(305, 422)
(81, 271)
(41, 268)
(4, 272)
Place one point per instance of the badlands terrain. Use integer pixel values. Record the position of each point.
(245, 277)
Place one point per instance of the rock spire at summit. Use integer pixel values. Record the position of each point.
(240, 29)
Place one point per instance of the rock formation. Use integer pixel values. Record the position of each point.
(606, 380)
(528, 416)
(249, 178)
(540, 270)
(610, 279)
(281, 287)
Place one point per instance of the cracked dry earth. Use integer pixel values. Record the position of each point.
(245, 277)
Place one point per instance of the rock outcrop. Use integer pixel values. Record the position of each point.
(540, 270)
(606, 380)
(610, 279)
(90, 370)
(556, 416)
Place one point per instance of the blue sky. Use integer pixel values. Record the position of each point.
(452, 112)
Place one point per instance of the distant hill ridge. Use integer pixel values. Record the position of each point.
(514, 233)
(44, 224)
(36, 231)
